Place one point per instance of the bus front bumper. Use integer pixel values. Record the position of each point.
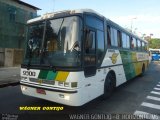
(71, 98)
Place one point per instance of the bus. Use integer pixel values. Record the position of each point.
(75, 56)
(154, 54)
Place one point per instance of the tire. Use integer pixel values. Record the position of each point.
(109, 85)
(143, 71)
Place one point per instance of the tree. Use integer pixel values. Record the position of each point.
(154, 43)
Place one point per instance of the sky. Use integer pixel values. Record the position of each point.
(143, 16)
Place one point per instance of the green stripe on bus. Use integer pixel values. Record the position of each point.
(51, 75)
(43, 74)
(131, 65)
(129, 68)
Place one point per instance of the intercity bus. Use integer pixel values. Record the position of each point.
(155, 54)
(75, 56)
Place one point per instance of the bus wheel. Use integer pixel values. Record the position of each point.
(109, 85)
(143, 70)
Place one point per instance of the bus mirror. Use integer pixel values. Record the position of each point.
(30, 44)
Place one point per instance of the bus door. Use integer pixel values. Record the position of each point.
(90, 52)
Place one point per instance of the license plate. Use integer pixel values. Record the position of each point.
(41, 91)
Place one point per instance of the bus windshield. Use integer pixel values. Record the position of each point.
(155, 52)
(54, 42)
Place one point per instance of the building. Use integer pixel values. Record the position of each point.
(13, 17)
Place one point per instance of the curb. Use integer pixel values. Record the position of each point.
(9, 84)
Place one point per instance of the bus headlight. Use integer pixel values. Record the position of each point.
(66, 84)
(66, 97)
(74, 84)
(23, 88)
(60, 83)
(23, 78)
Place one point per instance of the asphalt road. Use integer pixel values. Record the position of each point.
(9, 75)
(136, 96)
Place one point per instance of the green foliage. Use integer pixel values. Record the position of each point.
(154, 43)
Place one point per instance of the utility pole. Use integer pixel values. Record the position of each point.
(132, 23)
(54, 5)
(151, 36)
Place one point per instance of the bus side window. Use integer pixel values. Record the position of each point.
(132, 44)
(119, 38)
(139, 45)
(100, 46)
(114, 41)
(143, 46)
(128, 42)
(108, 35)
(124, 40)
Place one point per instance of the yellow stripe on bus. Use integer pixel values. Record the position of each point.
(62, 76)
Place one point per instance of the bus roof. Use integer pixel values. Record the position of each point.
(124, 30)
(152, 49)
(52, 14)
(70, 12)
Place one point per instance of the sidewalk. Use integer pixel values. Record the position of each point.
(9, 76)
